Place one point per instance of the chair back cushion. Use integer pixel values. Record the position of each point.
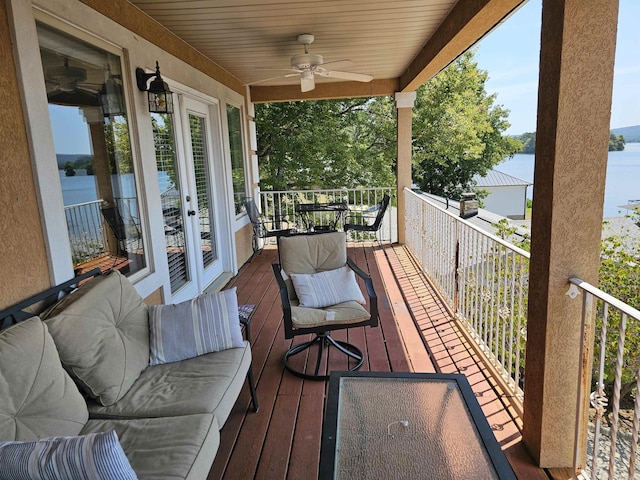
(39, 399)
(310, 254)
(313, 253)
(102, 334)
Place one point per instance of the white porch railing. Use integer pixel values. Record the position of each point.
(281, 206)
(483, 279)
(612, 440)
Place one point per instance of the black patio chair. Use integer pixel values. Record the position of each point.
(260, 229)
(360, 221)
(324, 254)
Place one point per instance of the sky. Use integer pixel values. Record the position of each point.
(510, 54)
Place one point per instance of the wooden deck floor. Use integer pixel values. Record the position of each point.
(282, 440)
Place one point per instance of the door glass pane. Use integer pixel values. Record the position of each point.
(91, 135)
(237, 158)
(171, 199)
(203, 187)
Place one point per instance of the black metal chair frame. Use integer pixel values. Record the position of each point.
(322, 337)
(381, 209)
(259, 224)
(114, 220)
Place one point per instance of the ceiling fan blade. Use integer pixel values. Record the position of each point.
(345, 63)
(273, 78)
(307, 83)
(356, 77)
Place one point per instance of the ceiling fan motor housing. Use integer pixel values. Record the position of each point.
(306, 60)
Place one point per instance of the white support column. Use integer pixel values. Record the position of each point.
(404, 106)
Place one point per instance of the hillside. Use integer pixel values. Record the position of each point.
(631, 134)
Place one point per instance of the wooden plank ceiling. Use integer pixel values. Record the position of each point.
(399, 43)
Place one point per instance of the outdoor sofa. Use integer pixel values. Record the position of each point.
(83, 369)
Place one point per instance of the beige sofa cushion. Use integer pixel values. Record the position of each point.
(39, 399)
(167, 448)
(209, 383)
(102, 333)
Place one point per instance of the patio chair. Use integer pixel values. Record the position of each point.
(122, 232)
(320, 294)
(360, 222)
(260, 229)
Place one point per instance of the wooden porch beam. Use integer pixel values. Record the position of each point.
(468, 22)
(324, 91)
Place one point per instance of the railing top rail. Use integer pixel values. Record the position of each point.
(322, 190)
(596, 292)
(92, 202)
(495, 238)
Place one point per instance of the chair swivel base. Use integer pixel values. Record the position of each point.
(322, 340)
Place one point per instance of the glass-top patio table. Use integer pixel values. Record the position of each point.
(308, 213)
(409, 426)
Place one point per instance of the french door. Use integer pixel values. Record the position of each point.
(193, 214)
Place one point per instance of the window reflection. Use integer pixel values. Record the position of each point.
(237, 158)
(93, 151)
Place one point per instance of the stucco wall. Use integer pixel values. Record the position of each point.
(23, 260)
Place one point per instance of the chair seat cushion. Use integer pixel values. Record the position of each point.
(166, 448)
(346, 313)
(209, 383)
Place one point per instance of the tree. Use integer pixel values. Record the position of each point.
(457, 133)
(457, 130)
(616, 143)
(320, 143)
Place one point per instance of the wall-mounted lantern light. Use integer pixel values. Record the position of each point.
(160, 97)
(112, 98)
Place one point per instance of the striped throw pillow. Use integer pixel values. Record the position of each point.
(96, 456)
(325, 289)
(207, 323)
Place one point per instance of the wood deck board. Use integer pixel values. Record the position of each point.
(415, 333)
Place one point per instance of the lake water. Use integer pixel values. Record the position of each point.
(622, 184)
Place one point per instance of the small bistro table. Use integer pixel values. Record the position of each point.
(381, 425)
(307, 212)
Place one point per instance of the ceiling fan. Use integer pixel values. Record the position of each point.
(308, 65)
(67, 85)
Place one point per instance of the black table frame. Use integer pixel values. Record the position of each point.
(330, 424)
(304, 209)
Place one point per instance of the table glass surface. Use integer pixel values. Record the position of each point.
(407, 428)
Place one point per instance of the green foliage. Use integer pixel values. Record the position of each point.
(619, 276)
(329, 144)
(528, 140)
(616, 143)
(457, 134)
(69, 171)
(457, 130)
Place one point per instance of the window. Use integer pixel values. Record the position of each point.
(238, 173)
(91, 135)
